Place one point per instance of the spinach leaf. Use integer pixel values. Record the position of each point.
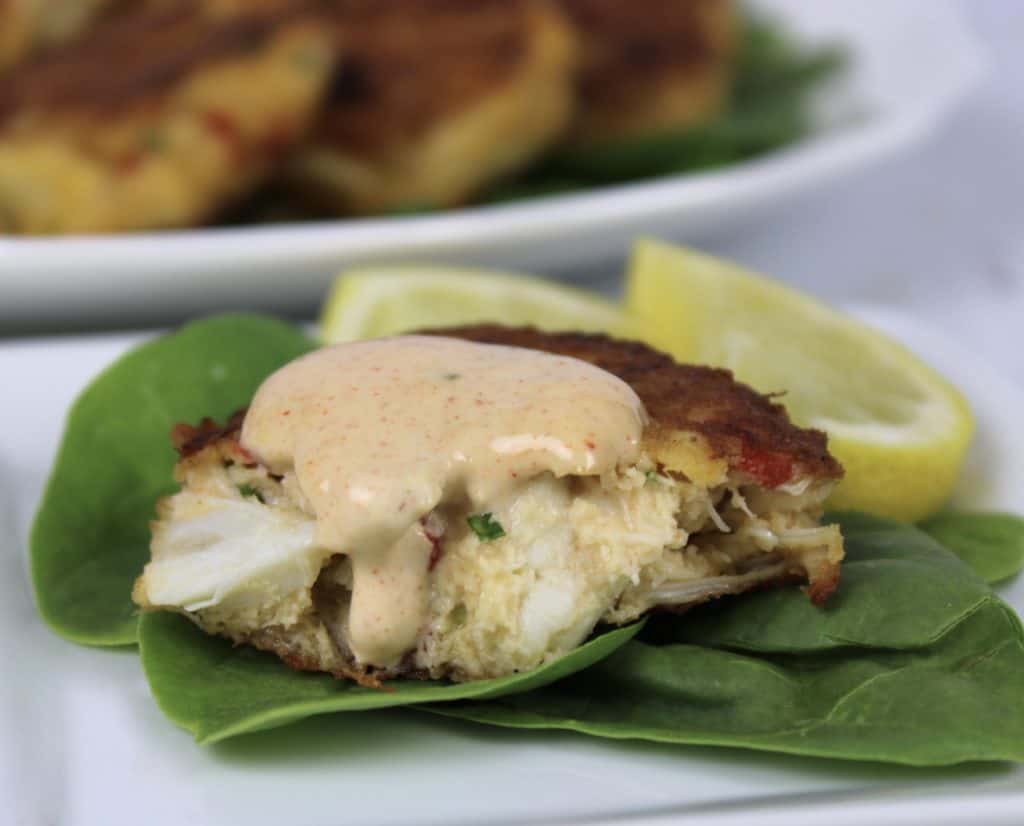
(771, 63)
(898, 589)
(930, 675)
(914, 661)
(991, 543)
(217, 690)
(90, 538)
(955, 701)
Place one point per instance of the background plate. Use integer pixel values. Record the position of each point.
(82, 743)
(913, 60)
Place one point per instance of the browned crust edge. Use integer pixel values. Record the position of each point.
(135, 57)
(746, 428)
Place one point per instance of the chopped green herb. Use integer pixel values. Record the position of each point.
(457, 616)
(249, 490)
(485, 526)
(154, 140)
(308, 59)
(652, 476)
(451, 376)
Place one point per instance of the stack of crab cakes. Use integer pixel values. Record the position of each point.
(119, 115)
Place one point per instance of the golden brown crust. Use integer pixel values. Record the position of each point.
(435, 99)
(137, 56)
(160, 117)
(191, 439)
(28, 26)
(736, 423)
(822, 584)
(649, 65)
(410, 63)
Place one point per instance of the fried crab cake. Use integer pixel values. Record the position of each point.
(650, 66)
(480, 499)
(159, 117)
(434, 100)
(29, 25)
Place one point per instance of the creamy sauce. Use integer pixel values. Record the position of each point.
(379, 433)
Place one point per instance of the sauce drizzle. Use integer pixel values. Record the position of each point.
(379, 433)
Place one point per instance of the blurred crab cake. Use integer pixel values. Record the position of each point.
(650, 65)
(472, 502)
(158, 118)
(28, 25)
(434, 99)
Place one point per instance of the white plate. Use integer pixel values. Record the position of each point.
(82, 743)
(913, 61)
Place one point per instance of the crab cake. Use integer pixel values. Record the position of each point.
(434, 100)
(157, 118)
(472, 502)
(650, 65)
(29, 25)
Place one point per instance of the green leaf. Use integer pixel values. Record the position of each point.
(90, 538)
(216, 690)
(842, 688)
(898, 589)
(958, 700)
(991, 543)
(772, 65)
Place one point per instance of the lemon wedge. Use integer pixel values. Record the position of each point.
(899, 429)
(379, 301)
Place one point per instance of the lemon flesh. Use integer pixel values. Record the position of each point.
(380, 301)
(899, 429)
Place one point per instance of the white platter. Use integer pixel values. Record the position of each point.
(913, 60)
(82, 743)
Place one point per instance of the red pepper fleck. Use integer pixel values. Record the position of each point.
(127, 164)
(436, 550)
(770, 469)
(435, 553)
(224, 127)
(248, 459)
